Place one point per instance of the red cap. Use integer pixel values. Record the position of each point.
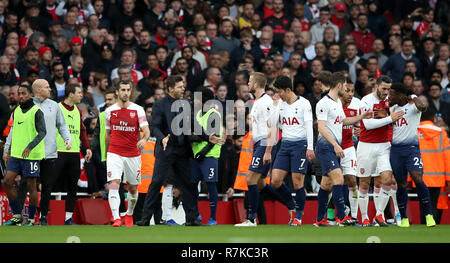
(76, 39)
(340, 7)
(43, 49)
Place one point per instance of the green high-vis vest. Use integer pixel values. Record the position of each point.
(72, 119)
(102, 135)
(198, 146)
(24, 132)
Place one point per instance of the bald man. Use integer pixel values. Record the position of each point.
(53, 119)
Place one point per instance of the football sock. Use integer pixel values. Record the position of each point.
(338, 199)
(345, 191)
(14, 206)
(131, 200)
(253, 196)
(353, 200)
(383, 199)
(363, 203)
(376, 197)
(402, 201)
(286, 196)
(300, 200)
(322, 202)
(331, 214)
(213, 198)
(394, 198)
(114, 202)
(167, 202)
(31, 212)
(270, 190)
(424, 197)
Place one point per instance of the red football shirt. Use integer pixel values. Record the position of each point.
(124, 124)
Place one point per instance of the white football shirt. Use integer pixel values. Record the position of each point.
(405, 129)
(262, 115)
(294, 119)
(333, 113)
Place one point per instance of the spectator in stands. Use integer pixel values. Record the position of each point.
(324, 21)
(63, 51)
(333, 62)
(99, 8)
(363, 37)
(31, 62)
(441, 107)
(28, 25)
(127, 59)
(144, 49)
(153, 16)
(213, 77)
(279, 21)
(247, 46)
(99, 88)
(354, 62)
(58, 82)
(377, 51)
(378, 23)
(329, 36)
(321, 51)
(226, 40)
(7, 77)
(418, 87)
(395, 66)
(395, 44)
(426, 54)
(191, 41)
(74, 70)
(69, 27)
(408, 31)
(245, 18)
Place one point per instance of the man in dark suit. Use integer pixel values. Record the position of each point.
(172, 151)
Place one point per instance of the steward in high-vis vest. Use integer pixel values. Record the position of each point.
(147, 165)
(245, 159)
(206, 148)
(435, 153)
(68, 162)
(24, 153)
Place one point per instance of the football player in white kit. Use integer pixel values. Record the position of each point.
(296, 150)
(331, 118)
(405, 153)
(264, 117)
(374, 149)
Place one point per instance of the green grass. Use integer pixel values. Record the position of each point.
(224, 234)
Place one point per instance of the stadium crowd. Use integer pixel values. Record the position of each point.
(218, 45)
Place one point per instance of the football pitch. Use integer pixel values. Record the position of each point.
(224, 234)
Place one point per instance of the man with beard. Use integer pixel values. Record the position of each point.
(31, 62)
(124, 120)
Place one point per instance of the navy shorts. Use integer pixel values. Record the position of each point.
(206, 170)
(292, 157)
(257, 164)
(404, 159)
(26, 168)
(327, 157)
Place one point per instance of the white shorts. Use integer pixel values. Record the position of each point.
(129, 166)
(373, 158)
(348, 163)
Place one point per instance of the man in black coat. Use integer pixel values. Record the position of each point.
(172, 151)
